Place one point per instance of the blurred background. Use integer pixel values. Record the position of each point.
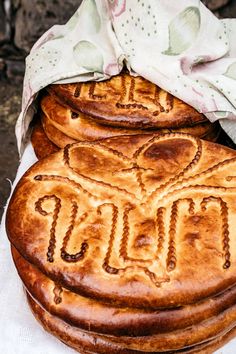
(22, 22)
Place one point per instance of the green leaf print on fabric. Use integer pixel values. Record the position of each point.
(183, 30)
(90, 17)
(231, 71)
(88, 56)
(221, 114)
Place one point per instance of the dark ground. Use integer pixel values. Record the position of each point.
(10, 103)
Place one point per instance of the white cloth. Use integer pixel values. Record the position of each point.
(20, 333)
(179, 45)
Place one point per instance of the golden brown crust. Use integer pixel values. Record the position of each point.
(62, 127)
(80, 126)
(55, 135)
(127, 101)
(41, 144)
(138, 231)
(90, 342)
(72, 336)
(91, 315)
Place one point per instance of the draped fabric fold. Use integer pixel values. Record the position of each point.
(179, 45)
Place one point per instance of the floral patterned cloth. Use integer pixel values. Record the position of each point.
(179, 45)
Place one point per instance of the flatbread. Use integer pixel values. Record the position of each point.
(78, 126)
(41, 144)
(127, 101)
(91, 315)
(132, 220)
(58, 119)
(55, 135)
(88, 342)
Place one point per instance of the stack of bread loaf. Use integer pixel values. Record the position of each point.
(122, 105)
(126, 244)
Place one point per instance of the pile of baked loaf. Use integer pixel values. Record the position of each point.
(123, 232)
(122, 105)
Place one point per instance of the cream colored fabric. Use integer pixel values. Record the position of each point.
(179, 45)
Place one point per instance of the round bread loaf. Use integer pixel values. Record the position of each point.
(41, 144)
(132, 220)
(58, 121)
(88, 342)
(127, 101)
(95, 316)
